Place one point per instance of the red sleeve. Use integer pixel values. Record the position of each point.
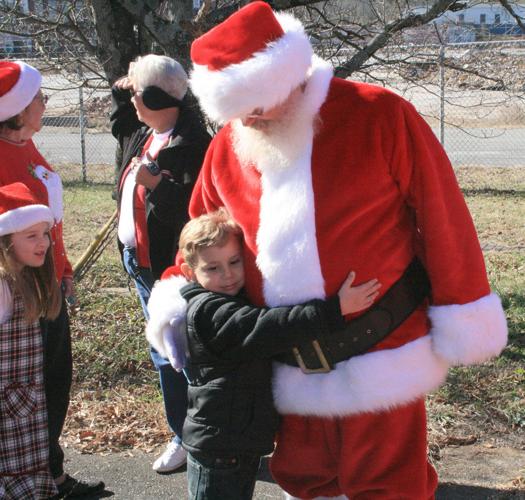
(204, 199)
(446, 236)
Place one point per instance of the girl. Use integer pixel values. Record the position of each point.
(22, 105)
(28, 291)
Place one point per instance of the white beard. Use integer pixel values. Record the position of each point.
(280, 144)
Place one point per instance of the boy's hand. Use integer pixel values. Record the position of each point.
(176, 344)
(357, 298)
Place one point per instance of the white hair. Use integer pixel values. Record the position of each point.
(161, 71)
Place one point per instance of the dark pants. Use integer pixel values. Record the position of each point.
(173, 384)
(222, 478)
(58, 370)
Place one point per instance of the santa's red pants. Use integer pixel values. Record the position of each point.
(365, 457)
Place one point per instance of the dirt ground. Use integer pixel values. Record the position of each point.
(478, 471)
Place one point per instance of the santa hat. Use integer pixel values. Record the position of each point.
(253, 59)
(19, 84)
(19, 209)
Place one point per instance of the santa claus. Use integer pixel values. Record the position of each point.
(325, 176)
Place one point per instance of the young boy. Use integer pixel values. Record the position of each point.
(231, 420)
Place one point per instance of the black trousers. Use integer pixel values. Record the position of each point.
(58, 372)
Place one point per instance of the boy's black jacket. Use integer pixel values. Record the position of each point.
(230, 343)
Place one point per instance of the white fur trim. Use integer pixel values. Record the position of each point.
(21, 218)
(53, 184)
(319, 77)
(288, 244)
(469, 333)
(264, 80)
(372, 382)
(22, 93)
(166, 308)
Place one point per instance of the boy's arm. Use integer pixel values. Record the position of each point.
(233, 329)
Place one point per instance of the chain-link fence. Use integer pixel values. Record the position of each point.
(471, 94)
(76, 137)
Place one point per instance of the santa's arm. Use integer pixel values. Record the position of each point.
(468, 324)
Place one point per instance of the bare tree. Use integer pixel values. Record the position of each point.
(368, 39)
(114, 32)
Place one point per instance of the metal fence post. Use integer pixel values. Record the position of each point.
(442, 93)
(441, 86)
(82, 121)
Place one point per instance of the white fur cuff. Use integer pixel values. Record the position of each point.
(167, 308)
(469, 333)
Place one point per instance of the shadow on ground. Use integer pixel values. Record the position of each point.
(446, 491)
(450, 491)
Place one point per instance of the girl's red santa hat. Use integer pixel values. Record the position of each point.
(20, 210)
(253, 59)
(19, 84)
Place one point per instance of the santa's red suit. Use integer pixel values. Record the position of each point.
(370, 190)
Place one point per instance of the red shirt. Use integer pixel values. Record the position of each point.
(23, 163)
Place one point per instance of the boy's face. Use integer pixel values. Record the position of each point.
(220, 268)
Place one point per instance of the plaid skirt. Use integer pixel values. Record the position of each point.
(24, 449)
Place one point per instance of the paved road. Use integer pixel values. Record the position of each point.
(502, 148)
(467, 473)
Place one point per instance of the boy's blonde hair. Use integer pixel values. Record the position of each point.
(37, 286)
(206, 231)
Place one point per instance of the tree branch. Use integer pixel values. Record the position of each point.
(381, 39)
(510, 10)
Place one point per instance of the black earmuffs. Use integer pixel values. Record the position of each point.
(155, 98)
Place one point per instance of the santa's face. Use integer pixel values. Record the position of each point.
(262, 120)
(274, 139)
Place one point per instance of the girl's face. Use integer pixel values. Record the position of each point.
(29, 247)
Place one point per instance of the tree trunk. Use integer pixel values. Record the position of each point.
(117, 45)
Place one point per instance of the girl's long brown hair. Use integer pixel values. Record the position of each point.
(37, 286)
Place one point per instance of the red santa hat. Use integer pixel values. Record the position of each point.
(253, 59)
(19, 84)
(19, 209)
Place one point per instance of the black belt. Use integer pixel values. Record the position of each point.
(362, 333)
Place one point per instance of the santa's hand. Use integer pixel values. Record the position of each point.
(175, 344)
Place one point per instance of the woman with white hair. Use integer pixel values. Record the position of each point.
(163, 145)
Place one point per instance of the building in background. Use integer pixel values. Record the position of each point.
(13, 45)
(475, 22)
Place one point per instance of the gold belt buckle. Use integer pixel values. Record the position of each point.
(325, 366)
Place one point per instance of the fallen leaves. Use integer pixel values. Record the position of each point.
(116, 420)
